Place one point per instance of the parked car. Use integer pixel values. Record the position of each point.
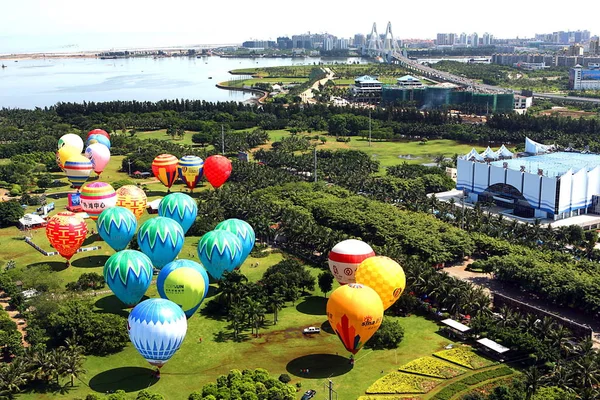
(311, 329)
(309, 394)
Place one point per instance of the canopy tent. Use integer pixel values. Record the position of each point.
(473, 155)
(535, 147)
(456, 325)
(152, 206)
(493, 346)
(31, 221)
(489, 154)
(503, 152)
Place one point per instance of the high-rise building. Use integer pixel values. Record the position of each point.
(328, 43)
(463, 39)
(474, 40)
(595, 46)
(487, 39)
(342, 44)
(359, 40)
(284, 43)
(445, 39)
(575, 50)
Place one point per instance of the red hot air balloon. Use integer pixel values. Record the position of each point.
(98, 132)
(66, 232)
(217, 170)
(164, 168)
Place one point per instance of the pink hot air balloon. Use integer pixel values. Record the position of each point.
(99, 155)
(346, 256)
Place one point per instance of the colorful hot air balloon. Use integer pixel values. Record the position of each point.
(189, 170)
(64, 153)
(355, 313)
(133, 198)
(116, 226)
(180, 208)
(383, 275)
(66, 232)
(128, 274)
(243, 231)
(164, 167)
(98, 132)
(95, 197)
(217, 170)
(161, 239)
(345, 257)
(185, 283)
(157, 328)
(93, 139)
(99, 155)
(220, 251)
(78, 169)
(71, 139)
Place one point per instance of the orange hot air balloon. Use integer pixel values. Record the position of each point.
(66, 232)
(132, 198)
(383, 275)
(354, 312)
(164, 168)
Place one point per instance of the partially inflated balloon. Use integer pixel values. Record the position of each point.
(243, 231)
(66, 232)
(92, 139)
(133, 198)
(217, 170)
(383, 275)
(220, 251)
(355, 313)
(346, 256)
(161, 239)
(78, 169)
(185, 283)
(164, 167)
(180, 208)
(96, 197)
(116, 226)
(98, 132)
(99, 155)
(128, 274)
(71, 139)
(157, 328)
(189, 170)
(64, 153)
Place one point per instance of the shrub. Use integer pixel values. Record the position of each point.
(433, 367)
(398, 382)
(487, 375)
(388, 336)
(285, 378)
(449, 391)
(15, 190)
(465, 357)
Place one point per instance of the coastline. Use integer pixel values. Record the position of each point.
(262, 95)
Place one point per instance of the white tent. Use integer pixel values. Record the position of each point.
(503, 152)
(31, 221)
(535, 147)
(152, 206)
(489, 154)
(473, 155)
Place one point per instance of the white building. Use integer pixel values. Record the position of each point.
(585, 79)
(409, 81)
(523, 102)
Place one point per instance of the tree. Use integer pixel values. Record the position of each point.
(532, 378)
(72, 360)
(388, 336)
(10, 213)
(44, 181)
(276, 301)
(325, 282)
(202, 138)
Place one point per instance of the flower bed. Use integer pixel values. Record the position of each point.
(433, 367)
(395, 397)
(464, 357)
(398, 383)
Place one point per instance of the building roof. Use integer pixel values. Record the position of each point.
(553, 165)
(473, 154)
(490, 344)
(31, 219)
(533, 147)
(153, 204)
(504, 152)
(366, 78)
(408, 78)
(489, 154)
(456, 325)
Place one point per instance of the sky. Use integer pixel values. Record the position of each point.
(79, 24)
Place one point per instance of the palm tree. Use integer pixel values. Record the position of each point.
(72, 362)
(12, 378)
(532, 377)
(256, 313)
(276, 301)
(235, 316)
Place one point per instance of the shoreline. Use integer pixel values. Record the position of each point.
(262, 95)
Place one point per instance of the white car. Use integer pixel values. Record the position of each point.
(311, 329)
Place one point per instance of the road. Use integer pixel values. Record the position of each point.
(307, 95)
(565, 98)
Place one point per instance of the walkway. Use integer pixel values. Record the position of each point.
(307, 95)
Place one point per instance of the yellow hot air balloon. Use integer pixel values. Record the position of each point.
(64, 153)
(355, 313)
(383, 275)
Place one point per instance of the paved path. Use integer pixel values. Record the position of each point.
(307, 95)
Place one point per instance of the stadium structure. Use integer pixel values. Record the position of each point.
(538, 183)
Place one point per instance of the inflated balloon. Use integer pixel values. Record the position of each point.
(355, 313)
(220, 251)
(93, 139)
(217, 170)
(243, 231)
(157, 328)
(64, 153)
(180, 208)
(133, 198)
(185, 283)
(96, 197)
(164, 167)
(71, 139)
(98, 132)
(383, 275)
(128, 274)
(66, 232)
(345, 257)
(161, 239)
(116, 226)
(99, 155)
(189, 170)
(78, 169)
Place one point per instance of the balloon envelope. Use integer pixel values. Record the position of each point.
(93, 139)
(95, 197)
(185, 283)
(217, 170)
(243, 231)
(157, 328)
(161, 239)
(164, 167)
(346, 256)
(355, 313)
(189, 170)
(220, 251)
(383, 275)
(66, 232)
(71, 139)
(116, 226)
(179, 207)
(99, 155)
(64, 153)
(133, 198)
(78, 169)
(128, 274)
(98, 132)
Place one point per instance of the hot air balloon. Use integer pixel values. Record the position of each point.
(71, 139)
(157, 328)
(355, 313)
(99, 155)
(95, 197)
(161, 239)
(217, 170)
(128, 274)
(383, 275)
(116, 226)
(66, 232)
(180, 208)
(243, 231)
(164, 167)
(345, 257)
(78, 169)
(220, 251)
(64, 153)
(189, 170)
(185, 283)
(98, 132)
(133, 198)
(93, 139)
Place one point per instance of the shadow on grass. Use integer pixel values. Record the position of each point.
(90, 262)
(112, 304)
(319, 366)
(38, 387)
(313, 305)
(222, 336)
(326, 327)
(129, 379)
(212, 291)
(56, 266)
(91, 239)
